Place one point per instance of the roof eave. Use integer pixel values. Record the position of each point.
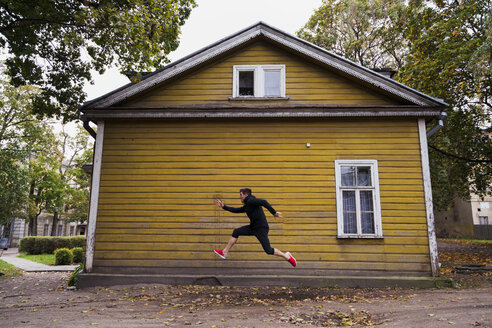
(262, 112)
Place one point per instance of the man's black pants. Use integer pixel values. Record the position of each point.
(260, 233)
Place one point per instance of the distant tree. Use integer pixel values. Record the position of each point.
(56, 44)
(368, 32)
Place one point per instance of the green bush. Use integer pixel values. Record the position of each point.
(77, 254)
(46, 245)
(75, 275)
(26, 245)
(63, 256)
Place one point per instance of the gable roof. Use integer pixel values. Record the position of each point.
(261, 30)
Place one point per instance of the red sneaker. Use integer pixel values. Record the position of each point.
(220, 253)
(291, 259)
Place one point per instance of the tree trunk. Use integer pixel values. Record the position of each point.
(55, 223)
(31, 226)
(35, 226)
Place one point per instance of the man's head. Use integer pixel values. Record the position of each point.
(243, 193)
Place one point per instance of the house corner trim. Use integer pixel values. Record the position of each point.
(431, 231)
(96, 178)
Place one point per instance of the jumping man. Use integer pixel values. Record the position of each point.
(258, 224)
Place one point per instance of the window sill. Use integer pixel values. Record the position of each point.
(250, 98)
(360, 237)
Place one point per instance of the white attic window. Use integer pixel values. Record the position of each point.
(258, 81)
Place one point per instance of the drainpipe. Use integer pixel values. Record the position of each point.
(85, 121)
(440, 123)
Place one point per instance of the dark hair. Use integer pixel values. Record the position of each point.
(245, 191)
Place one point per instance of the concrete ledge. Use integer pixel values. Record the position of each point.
(105, 279)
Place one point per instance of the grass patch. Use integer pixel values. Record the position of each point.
(8, 270)
(48, 259)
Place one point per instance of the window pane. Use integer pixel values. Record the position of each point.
(246, 83)
(272, 83)
(348, 175)
(349, 215)
(367, 211)
(366, 203)
(367, 222)
(364, 176)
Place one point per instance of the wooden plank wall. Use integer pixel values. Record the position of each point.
(159, 179)
(305, 83)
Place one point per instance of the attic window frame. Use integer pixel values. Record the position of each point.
(259, 81)
(374, 187)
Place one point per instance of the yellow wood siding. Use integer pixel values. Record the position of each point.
(159, 179)
(305, 83)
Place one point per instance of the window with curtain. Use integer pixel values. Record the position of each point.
(358, 205)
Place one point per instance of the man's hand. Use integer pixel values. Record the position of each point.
(278, 214)
(219, 203)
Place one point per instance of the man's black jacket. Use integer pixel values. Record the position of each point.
(252, 207)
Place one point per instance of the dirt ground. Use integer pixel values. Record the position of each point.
(43, 300)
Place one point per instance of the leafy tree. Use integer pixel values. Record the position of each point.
(77, 205)
(450, 58)
(13, 186)
(37, 165)
(21, 134)
(47, 189)
(369, 32)
(442, 48)
(56, 44)
(56, 183)
(19, 128)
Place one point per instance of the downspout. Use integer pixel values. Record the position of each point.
(90, 241)
(431, 230)
(440, 123)
(86, 125)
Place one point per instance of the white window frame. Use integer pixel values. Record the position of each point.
(373, 164)
(259, 81)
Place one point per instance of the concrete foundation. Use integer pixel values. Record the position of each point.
(104, 279)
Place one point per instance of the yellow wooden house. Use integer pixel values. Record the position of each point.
(339, 149)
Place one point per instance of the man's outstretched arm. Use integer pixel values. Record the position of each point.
(231, 209)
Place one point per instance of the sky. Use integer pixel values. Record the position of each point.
(213, 20)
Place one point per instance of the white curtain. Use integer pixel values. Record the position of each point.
(349, 212)
(364, 176)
